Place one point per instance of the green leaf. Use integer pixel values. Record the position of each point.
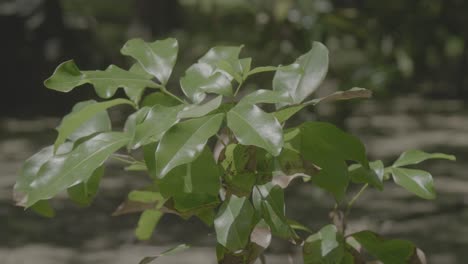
(201, 78)
(418, 182)
(84, 192)
(352, 93)
(156, 58)
(329, 148)
(210, 74)
(303, 77)
(388, 251)
(100, 122)
(133, 120)
(147, 223)
(193, 111)
(43, 208)
(412, 157)
(285, 113)
(262, 69)
(193, 185)
(184, 142)
(31, 167)
(266, 96)
(260, 239)
(168, 252)
(252, 126)
(71, 122)
(63, 171)
(67, 76)
(159, 98)
(157, 121)
(373, 176)
(268, 200)
(324, 247)
(145, 196)
(234, 223)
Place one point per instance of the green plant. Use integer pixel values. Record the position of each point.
(226, 163)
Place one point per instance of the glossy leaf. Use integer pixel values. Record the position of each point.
(71, 122)
(268, 200)
(193, 185)
(412, 157)
(234, 223)
(156, 122)
(159, 98)
(84, 192)
(418, 182)
(252, 126)
(184, 142)
(145, 196)
(352, 93)
(329, 148)
(200, 78)
(31, 167)
(67, 76)
(147, 223)
(262, 69)
(133, 120)
(324, 247)
(207, 76)
(168, 252)
(303, 77)
(285, 113)
(373, 176)
(157, 58)
(266, 96)
(193, 111)
(100, 122)
(63, 171)
(393, 251)
(260, 239)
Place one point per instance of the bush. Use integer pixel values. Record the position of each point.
(219, 156)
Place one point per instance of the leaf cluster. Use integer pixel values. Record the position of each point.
(215, 155)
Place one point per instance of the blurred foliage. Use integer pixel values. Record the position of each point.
(391, 47)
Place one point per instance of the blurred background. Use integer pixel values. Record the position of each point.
(412, 54)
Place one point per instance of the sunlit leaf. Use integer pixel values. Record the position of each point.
(100, 122)
(326, 246)
(304, 76)
(31, 167)
(373, 176)
(418, 182)
(67, 76)
(147, 223)
(266, 96)
(156, 122)
(234, 223)
(252, 126)
(207, 76)
(184, 142)
(412, 157)
(157, 58)
(192, 111)
(268, 200)
(71, 122)
(63, 171)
